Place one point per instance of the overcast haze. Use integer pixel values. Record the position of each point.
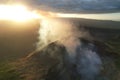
(77, 5)
(82, 6)
(73, 5)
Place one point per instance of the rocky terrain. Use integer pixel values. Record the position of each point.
(50, 64)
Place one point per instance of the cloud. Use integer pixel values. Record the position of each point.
(78, 5)
(75, 5)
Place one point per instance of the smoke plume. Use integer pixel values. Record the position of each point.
(84, 56)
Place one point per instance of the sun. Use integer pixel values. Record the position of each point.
(17, 13)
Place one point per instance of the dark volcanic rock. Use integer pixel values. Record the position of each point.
(50, 64)
(46, 64)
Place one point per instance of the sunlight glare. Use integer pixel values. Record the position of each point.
(18, 13)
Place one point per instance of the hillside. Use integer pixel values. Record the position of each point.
(17, 41)
(50, 64)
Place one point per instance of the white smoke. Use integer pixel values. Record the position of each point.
(62, 31)
(65, 33)
(88, 62)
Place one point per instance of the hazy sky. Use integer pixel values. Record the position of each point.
(77, 6)
(73, 5)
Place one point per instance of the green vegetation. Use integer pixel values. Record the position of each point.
(7, 72)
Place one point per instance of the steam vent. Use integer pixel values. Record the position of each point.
(91, 59)
(52, 63)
